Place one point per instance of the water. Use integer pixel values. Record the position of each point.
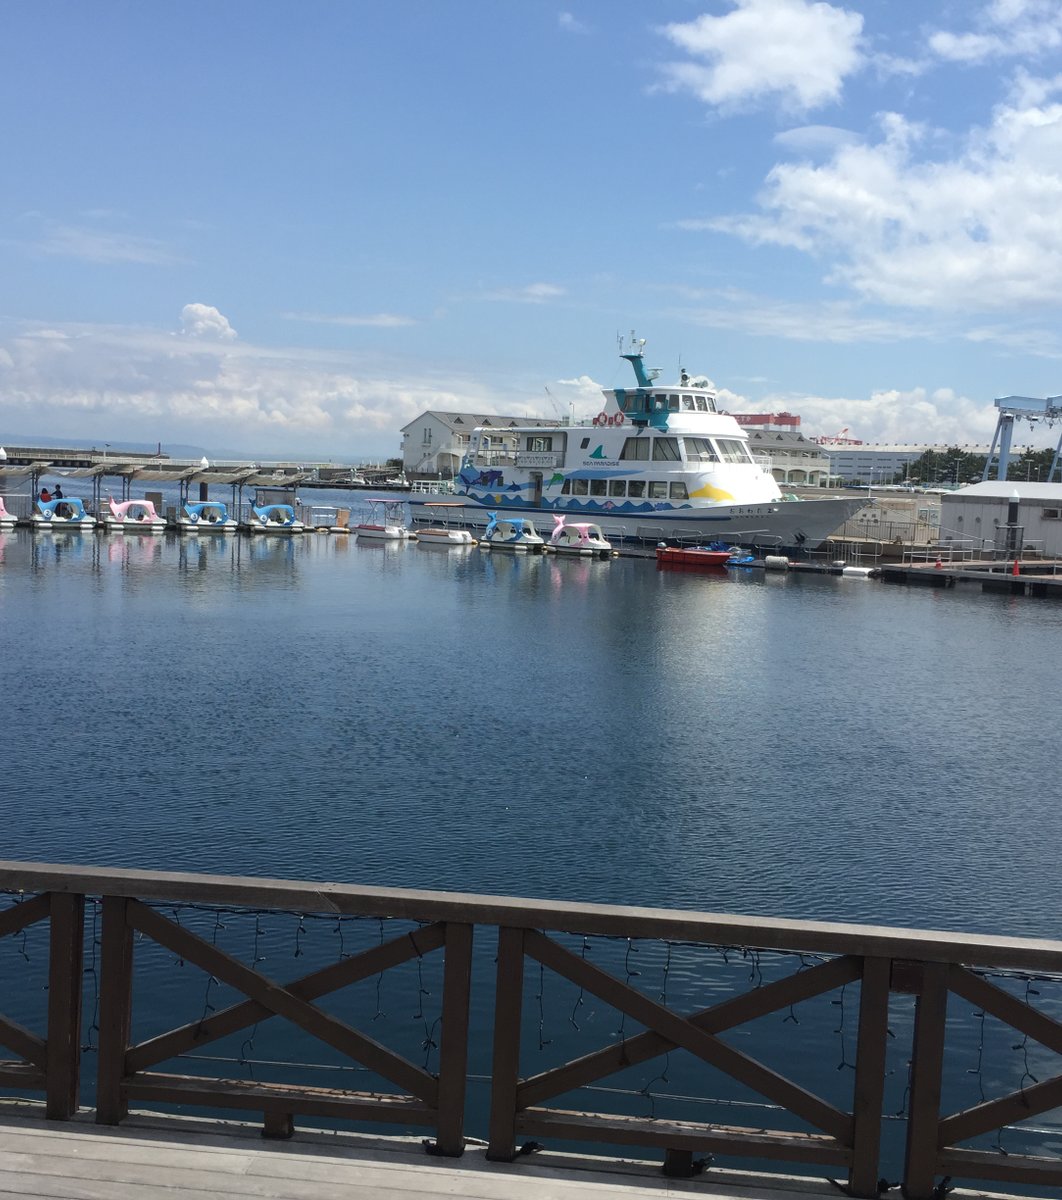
(399, 715)
(403, 715)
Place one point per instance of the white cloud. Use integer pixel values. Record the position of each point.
(204, 321)
(977, 231)
(533, 293)
(103, 246)
(796, 51)
(372, 321)
(571, 24)
(936, 417)
(129, 383)
(1003, 29)
(815, 140)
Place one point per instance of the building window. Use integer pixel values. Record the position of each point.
(635, 448)
(1051, 514)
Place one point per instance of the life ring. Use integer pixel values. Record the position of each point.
(619, 418)
(601, 419)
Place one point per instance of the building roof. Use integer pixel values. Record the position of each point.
(783, 439)
(462, 422)
(1004, 489)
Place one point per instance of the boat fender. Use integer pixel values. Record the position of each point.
(776, 562)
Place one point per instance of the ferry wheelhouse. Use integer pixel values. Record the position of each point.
(656, 462)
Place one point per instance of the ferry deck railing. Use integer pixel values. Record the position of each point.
(929, 966)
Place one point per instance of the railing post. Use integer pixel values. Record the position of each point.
(65, 953)
(927, 1062)
(869, 1086)
(505, 1071)
(453, 1049)
(116, 1003)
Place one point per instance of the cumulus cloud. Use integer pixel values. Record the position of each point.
(204, 321)
(1003, 29)
(935, 417)
(797, 51)
(978, 230)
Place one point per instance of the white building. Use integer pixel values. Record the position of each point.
(980, 516)
(435, 442)
(791, 457)
(882, 463)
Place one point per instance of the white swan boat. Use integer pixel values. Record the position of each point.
(516, 534)
(657, 462)
(387, 521)
(582, 538)
(69, 514)
(132, 516)
(205, 516)
(273, 518)
(440, 532)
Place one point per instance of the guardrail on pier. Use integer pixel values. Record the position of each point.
(135, 915)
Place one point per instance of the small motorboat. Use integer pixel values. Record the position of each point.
(387, 521)
(511, 533)
(205, 516)
(273, 518)
(579, 537)
(133, 516)
(696, 557)
(61, 514)
(8, 520)
(440, 532)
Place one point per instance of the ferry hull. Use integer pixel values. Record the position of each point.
(770, 526)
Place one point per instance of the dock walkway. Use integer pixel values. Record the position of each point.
(170, 1158)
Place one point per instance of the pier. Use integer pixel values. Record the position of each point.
(89, 1059)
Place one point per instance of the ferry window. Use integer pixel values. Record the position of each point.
(702, 404)
(584, 443)
(631, 402)
(539, 445)
(598, 487)
(673, 403)
(665, 449)
(617, 487)
(635, 489)
(657, 491)
(732, 451)
(636, 448)
(687, 404)
(678, 492)
(1051, 514)
(700, 450)
(566, 488)
(580, 487)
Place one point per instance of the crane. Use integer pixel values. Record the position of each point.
(1020, 408)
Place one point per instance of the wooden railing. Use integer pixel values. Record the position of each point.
(929, 966)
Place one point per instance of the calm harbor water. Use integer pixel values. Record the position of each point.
(404, 715)
(410, 716)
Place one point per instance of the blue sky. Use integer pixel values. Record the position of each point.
(290, 228)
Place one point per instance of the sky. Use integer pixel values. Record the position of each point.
(287, 229)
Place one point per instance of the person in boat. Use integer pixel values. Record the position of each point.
(57, 494)
(45, 495)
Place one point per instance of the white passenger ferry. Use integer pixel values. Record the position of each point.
(658, 462)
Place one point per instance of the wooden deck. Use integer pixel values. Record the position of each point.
(162, 1158)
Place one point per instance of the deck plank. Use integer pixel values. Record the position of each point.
(161, 1158)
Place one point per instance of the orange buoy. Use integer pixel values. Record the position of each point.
(1015, 570)
(938, 564)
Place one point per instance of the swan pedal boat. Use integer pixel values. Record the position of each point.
(62, 514)
(8, 520)
(133, 516)
(582, 538)
(273, 518)
(205, 516)
(517, 534)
